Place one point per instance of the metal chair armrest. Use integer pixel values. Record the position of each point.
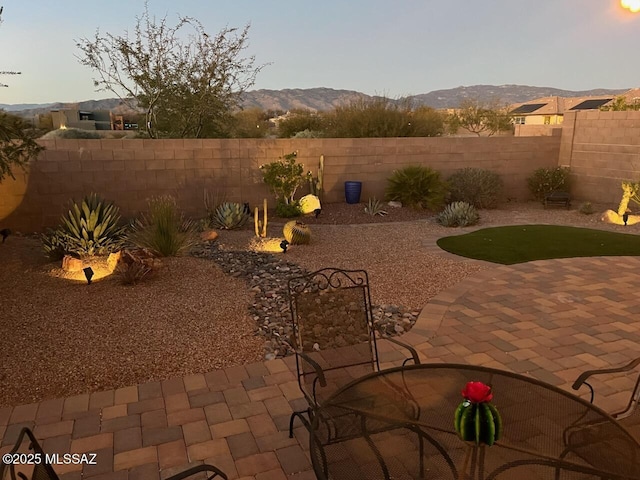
(318, 369)
(412, 351)
(584, 376)
(197, 469)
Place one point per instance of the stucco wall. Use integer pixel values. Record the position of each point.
(602, 149)
(130, 171)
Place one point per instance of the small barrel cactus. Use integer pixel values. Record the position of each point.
(297, 233)
(458, 214)
(476, 420)
(230, 215)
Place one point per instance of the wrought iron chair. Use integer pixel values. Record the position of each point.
(44, 471)
(586, 438)
(335, 342)
(629, 417)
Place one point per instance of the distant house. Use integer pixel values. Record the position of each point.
(91, 120)
(542, 115)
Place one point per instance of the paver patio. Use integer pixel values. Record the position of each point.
(549, 319)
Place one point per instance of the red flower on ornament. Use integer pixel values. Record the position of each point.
(477, 392)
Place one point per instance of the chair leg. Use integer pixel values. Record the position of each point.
(298, 414)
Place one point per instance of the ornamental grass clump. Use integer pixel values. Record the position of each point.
(164, 230)
(416, 186)
(479, 187)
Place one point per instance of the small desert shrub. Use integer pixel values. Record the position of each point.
(133, 269)
(543, 181)
(283, 177)
(416, 186)
(164, 230)
(288, 210)
(479, 187)
(133, 273)
(55, 244)
(458, 214)
(587, 209)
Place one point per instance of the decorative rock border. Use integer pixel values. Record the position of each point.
(267, 275)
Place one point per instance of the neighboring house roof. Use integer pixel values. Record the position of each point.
(591, 104)
(559, 105)
(528, 108)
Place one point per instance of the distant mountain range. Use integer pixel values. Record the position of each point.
(328, 98)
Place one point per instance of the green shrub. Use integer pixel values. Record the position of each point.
(283, 177)
(164, 230)
(89, 228)
(229, 216)
(458, 214)
(382, 117)
(543, 181)
(479, 187)
(299, 121)
(288, 210)
(416, 186)
(587, 209)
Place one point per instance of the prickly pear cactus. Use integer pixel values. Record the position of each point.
(297, 233)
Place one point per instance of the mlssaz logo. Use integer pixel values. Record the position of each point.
(71, 458)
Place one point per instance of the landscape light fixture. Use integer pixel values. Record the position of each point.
(5, 232)
(625, 217)
(88, 272)
(283, 245)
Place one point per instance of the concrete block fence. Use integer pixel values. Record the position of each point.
(130, 171)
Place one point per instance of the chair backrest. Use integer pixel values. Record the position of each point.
(333, 325)
(38, 471)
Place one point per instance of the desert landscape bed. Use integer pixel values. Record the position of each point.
(68, 338)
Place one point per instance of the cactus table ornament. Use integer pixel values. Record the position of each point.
(476, 420)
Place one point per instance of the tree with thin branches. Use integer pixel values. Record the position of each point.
(186, 81)
(17, 146)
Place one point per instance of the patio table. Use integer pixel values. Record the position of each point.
(417, 405)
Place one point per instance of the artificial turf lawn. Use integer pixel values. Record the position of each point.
(524, 243)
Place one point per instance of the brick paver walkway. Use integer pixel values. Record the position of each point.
(548, 319)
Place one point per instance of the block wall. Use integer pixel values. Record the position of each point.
(130, 171)
(602, 149)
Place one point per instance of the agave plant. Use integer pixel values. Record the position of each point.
(230, 215)
(374, 207)
(55, 244)
(91, 228)
(458, 214)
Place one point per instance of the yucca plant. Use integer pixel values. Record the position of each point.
(229, 216)
(458, 214)
(91, 228)
(164, 230)
(374, 207)
(416, 186)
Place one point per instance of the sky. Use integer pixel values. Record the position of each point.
(379, 47)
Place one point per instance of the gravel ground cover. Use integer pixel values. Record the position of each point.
(61, 338)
